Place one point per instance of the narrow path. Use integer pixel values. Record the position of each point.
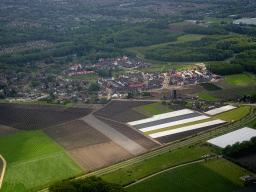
(3, 170)
(168, 169)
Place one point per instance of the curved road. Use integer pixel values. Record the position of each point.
(2, 169)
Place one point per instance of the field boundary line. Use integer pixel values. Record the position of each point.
(170, 168)
(3, 171)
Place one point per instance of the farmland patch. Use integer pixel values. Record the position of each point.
(239, 79)
(227, 169)
(99, 155)
(235, 115)
(6, 130)
(178, 136)
(27, 145)
(233, 93)
(210, 86)
(194, 177)
(23, 175)
(177, 28)
(205, 96)
(75, 134)
(114, 135)
(34, 117)
(115, 110)
(193, 89)
(220, 110)
(129, 132)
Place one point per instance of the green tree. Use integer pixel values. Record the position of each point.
(94, 87)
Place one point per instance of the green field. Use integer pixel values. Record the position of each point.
(227, 169)
(178, 126)
(239, 79)
(206, 97)
(142, 169)
(153, 109)
(235, 114)
(33, 159)
(28, 174)
(210, 86)
(194, 177)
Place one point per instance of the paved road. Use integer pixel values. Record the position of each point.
(173, 146)
(2, 169)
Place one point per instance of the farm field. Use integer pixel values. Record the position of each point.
(233, 93)
(235, 115)
(75, 134)
(194, 177)
(6, 130)
(248, 160)
(220, 110)
(121, 110)
(23, 175)
(34, 117)
(172, 126)
(129, 132)
(31, 152)
(239, 79)
(210, 86)
(206, 97)
(134, 172)
(99, 155)
(152, 109)
(181, 27)
(178, 136)
(164, 67)
(227, 169)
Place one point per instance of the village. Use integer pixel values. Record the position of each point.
(21, 87)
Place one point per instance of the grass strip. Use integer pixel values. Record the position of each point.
(178, 126)
(235, 115)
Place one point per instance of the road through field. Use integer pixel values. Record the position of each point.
(2, 169)
(173, 146)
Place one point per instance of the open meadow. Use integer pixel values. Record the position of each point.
(239, 79)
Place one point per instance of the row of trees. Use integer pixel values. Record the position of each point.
(90, 184)
(240, 149)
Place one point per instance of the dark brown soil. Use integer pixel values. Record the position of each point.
(131, 134)
(75, 134)
(119, 110)
(34, 117)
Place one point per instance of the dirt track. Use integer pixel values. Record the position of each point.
(96, 156)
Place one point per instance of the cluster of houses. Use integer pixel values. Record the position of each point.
(189, 77)
(154, 79)
(133, 82)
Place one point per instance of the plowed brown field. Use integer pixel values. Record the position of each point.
(75, 134)
(100, 155)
